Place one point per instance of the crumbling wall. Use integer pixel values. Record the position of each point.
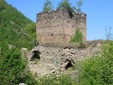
(57, 27)
(58, 60)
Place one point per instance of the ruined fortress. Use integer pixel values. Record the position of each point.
(58, 27)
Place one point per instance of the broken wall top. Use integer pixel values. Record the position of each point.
(59, 14)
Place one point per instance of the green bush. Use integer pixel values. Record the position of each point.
(56, 80)
(99, 69)
(77, 37)
(12, 68)
(65, 5)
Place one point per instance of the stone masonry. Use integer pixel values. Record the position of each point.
(57, 27)
(57, 60)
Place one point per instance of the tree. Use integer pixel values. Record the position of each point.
(79, 4)
(47, 6)
(64, 4)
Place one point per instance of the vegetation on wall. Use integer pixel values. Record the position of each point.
(79, 5)
(65, 5)
(47, 6)
(77, 37)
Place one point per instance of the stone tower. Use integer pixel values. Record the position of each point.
(57, 27)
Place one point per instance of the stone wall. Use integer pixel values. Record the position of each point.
(57, 27)
(56, 59)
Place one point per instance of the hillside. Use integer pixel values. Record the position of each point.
(15, 28)
(16, 32)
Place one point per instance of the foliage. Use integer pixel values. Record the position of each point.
(28, 79)
(78, 36)
(12, 68)
(47, 6)
(99, 69)
(56, 80)
(16, 31)
(14, 27)
(64, 4)
(108, 33)
(79, 4)
(30, 29)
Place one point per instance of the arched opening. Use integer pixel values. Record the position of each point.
(69, 64)
(35, 55)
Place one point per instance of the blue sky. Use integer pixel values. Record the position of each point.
(99, 14)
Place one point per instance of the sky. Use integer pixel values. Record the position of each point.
(99, 14)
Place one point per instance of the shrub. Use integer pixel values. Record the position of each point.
(77, 37)
(64, 4)
(12, 68)
(47, 6)
(79, 5)
(56, 80)
(99, 69)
